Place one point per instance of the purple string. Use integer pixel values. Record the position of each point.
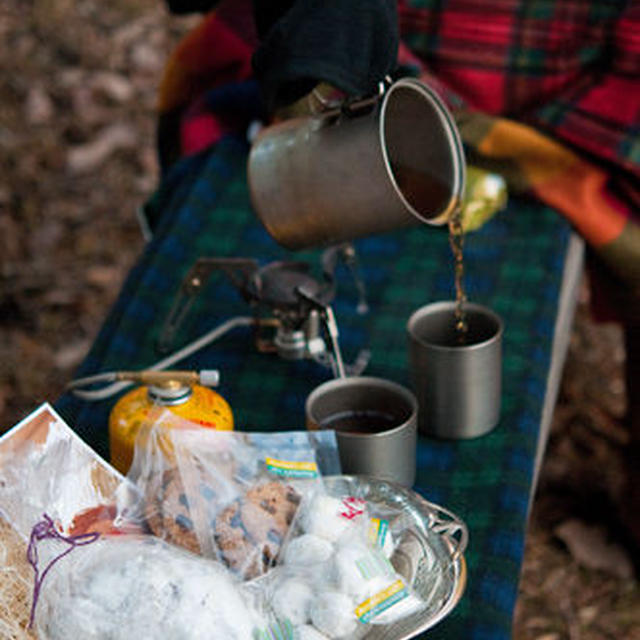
(43, 530)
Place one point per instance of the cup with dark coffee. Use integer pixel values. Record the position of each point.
(375, 421)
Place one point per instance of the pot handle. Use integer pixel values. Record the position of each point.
(327, 110)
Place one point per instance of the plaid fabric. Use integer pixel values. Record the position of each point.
(568, 68)
(514, 265)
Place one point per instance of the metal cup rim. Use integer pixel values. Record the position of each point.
(455, 143)
(338, 383)
(449, 305)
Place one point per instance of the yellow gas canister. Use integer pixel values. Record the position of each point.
(177, 392)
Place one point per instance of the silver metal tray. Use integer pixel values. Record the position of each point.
(429, 555)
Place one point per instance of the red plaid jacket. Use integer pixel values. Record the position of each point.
(570, 68)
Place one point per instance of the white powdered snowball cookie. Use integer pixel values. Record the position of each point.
(330, 518)
(333, 614)
(307, 632)
(346, 572)
(307, 549)
(291, 600)
(357, 570)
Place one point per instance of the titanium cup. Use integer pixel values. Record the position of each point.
(382, 164)
(375, 421)
(458, 385)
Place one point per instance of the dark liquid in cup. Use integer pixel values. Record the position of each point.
(360, 421)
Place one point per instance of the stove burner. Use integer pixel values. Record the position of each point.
(277, 285)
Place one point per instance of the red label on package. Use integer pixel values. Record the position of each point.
(352, 507)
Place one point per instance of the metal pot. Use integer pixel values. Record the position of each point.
(390, 163)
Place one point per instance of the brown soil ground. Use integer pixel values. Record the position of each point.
(78, 82)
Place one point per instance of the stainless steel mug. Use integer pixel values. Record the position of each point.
(375, 421)
(458, 383)
(331, 178)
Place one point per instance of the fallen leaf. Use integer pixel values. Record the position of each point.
(38, 106)
(130, 32)
(146, 58)
(113, 85)
(71, 355)
(60, 297)
(86, 157)
(590, 548)
(85, 107)
(588, 614)
(104, 276)
(70, 77)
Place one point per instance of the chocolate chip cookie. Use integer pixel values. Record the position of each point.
(249, 532)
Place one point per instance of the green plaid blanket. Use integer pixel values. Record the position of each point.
(514, 265)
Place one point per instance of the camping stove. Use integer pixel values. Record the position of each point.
(292, 314)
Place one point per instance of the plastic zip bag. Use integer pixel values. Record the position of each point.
(227, 495)
(140, 587)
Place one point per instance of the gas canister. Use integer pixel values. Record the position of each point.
(180, 392)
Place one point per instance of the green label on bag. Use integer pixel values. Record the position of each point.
(292, 468)
(279, 630)
(381, 601)
(378, 532)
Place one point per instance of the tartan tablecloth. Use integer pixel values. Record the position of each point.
(514, 265)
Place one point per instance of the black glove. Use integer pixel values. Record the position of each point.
(190, 6)
(350, 44)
